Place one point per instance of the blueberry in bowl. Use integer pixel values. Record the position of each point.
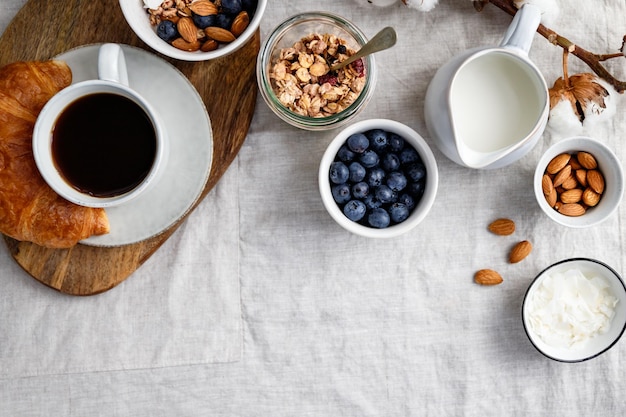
(194, 30)
(378, 178)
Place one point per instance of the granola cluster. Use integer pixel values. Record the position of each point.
(303, 82)
(169, 9)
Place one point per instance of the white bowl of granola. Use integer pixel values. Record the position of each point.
(294, 76)
(169, 26)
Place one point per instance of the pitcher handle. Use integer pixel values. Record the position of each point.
(522, 29)
(112, 64)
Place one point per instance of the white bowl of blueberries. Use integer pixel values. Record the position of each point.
(378, 178)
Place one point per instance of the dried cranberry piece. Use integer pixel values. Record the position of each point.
(359, 67)
(328, 78)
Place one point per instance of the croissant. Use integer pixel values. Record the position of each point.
(29, 209)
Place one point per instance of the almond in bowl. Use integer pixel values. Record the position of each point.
(194, 30)
(579, 182)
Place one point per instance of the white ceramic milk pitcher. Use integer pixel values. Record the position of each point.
(488, 107)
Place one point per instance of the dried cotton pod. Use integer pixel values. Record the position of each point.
(582, 91)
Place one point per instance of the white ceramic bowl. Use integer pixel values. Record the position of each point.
(608, 164)
(422, 208)
(599, 343)
(138, 19)
(286, 35)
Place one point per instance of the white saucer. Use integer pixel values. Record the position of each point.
(191, 144)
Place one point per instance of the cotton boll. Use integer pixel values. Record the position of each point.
(594, 112)
(563, 122)
(421, 5)
(590, 101)
(378, 3)
(549, 10)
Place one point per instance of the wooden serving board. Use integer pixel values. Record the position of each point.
(46, 28)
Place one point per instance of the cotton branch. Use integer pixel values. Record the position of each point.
(594, 61)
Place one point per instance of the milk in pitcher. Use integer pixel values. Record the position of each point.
(495, 102)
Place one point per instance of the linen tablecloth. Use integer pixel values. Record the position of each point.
(176, 309)
(338, 325)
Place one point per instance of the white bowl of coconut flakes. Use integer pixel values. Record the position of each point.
(575, 310)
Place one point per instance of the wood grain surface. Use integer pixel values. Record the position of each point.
(45, 28)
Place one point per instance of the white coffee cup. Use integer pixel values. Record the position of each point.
(79, 152)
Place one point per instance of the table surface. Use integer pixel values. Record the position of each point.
(335, 324)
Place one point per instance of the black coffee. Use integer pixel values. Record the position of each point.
(104, 144)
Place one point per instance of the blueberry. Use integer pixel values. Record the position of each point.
(396, 142)
(396, 181)
(223, 20)
(357, 172)
(378, 218)
(409, 155)
(339, 172)
(341, 193)
(371, 202)
(354, 210)
(358, 143)
(249, 6)
(407, 200)
(204, 21)
(390, 162)
(385, 194)
(345, 154)
(377, 138)
(341, 49)
(360, 190)
(167, 30)
(416, 189)
(369, 159)
(375, 177)
(231, 7)
(416, 171)
(398, 212)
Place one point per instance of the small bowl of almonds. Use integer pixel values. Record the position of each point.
(579, 182)
(296, 75)
(194, 30)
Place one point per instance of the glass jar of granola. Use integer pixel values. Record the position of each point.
(295, 76)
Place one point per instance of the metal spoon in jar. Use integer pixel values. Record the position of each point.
(384, 39)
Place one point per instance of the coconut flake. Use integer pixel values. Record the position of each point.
(568, 309)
